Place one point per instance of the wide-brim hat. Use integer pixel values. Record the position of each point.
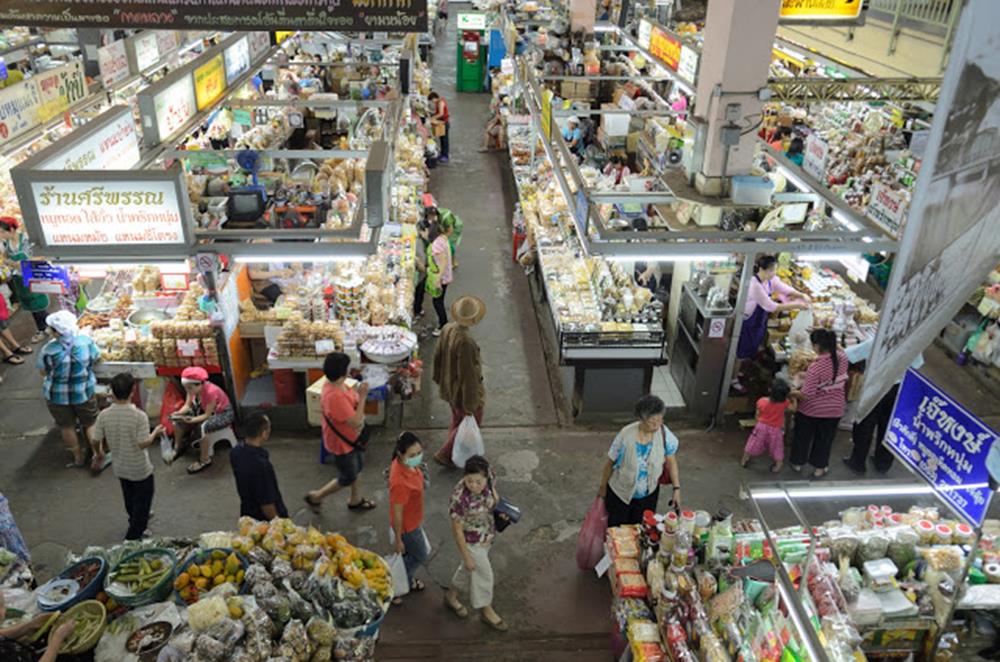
(468, 310)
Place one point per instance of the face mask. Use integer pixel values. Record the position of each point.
(414, 462)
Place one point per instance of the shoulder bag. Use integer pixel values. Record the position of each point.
(504, 513)
(359, 444)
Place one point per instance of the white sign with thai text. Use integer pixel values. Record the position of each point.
(96, 213)
(18, 110)
(174, 106)
(237, 60)
(115, 146)
(814, 161)
(147, 51)
(113, 62)
(688, 65)
(59, 89)
(886, 206)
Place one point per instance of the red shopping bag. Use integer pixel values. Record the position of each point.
(590, 544)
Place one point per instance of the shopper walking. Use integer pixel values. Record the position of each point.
(344, 432)
(67, 364)
(474, 527)
(10, 349)
(206, 409)
(17, 249)
(439, 271)
(458, 369)
(876, 423)
(125, 429)
(759, 305)
(440, 123)
(821, 404)
(406, 506)
(424, 232)
(641, 453)
(768, 435)
(256, 482)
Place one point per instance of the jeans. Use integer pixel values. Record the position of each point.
(444, 140)
(876, 420)
(418, 296)
(138, 496)
(812, 440)
(416, 551)
(439, 308)
(457, 416)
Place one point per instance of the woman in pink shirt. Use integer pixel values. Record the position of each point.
(206, 409)
(439, 269)
(758, 306)
(822, 400)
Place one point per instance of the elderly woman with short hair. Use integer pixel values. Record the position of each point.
(642, 451)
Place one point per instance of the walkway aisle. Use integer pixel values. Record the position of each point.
(517, 384)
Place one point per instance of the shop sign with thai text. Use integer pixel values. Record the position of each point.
(115, 146)
(59, 89)
(665, 47)
(113, 62)
(147, 50)
(240, 15)
(95, 213)
(886, 206)
(174, 106)
(209, 82)
(944, 444)
(816, 153)
(799, 11)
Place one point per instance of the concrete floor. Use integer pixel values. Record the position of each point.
(556, 612)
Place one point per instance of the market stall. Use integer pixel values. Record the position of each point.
(265, 590)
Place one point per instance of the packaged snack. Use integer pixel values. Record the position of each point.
(874, 545)
(725, 604)
(707, 584)
(631, 585)
(643, 631)
(903, 547)
(671, 522)
(648, 651)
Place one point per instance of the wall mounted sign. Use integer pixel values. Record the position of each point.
(354, 16)
(944, 444)
(209, 82)
(113, 62)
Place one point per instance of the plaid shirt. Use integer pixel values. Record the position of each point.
(69, 376)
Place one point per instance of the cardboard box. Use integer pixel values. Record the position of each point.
(314, 408)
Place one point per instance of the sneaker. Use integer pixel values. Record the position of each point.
(436, 332)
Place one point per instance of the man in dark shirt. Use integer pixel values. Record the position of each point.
(256, 481)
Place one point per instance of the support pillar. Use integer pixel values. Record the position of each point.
(736, 55)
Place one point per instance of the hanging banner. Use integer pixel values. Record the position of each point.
(357, 15)
(45, 278)
(113, 63)
(114, 145)
(943, 443)
(820, 11)
(665, 47)
(209, 82)
(816, 153)
(886, 207)
(951, 241)
(59, 89)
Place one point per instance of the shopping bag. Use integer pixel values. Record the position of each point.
(166, 448)
(400, 582)
(468, 442)
(590, 544)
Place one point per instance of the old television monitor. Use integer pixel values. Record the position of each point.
(246, 204)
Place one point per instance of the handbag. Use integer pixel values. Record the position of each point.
(664, 473)
(504, 513)
(359, 444)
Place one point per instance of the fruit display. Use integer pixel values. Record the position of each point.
(90, 618)
(206, 569)
(139, 573)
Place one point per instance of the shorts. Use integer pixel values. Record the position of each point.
(349, 467)
(4, 324)
(66, 416)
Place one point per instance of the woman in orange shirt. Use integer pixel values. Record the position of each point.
(406, 506)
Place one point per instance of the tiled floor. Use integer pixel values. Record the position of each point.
(665, 388)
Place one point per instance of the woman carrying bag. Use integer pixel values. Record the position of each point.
(473, 523)
(643, 454)
(406, 507)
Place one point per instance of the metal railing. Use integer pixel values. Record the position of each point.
(934, 13)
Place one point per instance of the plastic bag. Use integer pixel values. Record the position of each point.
(468, 442)
(400, 582)
(590, 544)
(166, 448)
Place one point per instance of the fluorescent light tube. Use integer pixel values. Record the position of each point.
(257, 259)
(667, 258)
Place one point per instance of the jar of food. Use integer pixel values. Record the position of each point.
(943, 534)
(925, 531)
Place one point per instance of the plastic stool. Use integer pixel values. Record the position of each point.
(213, 438)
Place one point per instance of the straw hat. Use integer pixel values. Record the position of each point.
(468, 310)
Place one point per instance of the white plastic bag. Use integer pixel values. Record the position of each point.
(468, 442)
(167, 448)
(400, 582)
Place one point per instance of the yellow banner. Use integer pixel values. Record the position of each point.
(209, 82)
(820, 10)
(547, 113)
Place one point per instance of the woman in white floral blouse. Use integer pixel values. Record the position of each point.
(472, 504)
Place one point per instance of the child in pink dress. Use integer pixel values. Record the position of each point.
(769, 433)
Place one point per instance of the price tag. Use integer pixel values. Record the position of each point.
(188, 348)
(131, 336)
(602, 565)
(324, 347)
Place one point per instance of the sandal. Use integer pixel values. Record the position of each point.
(313, 505)
(13, 359)
(364, 504)
(199, 466)
(417, 586)
(499, 626)
(23, 350)
(459, 608)
(819, 473)
(775, 469)
(38, 337)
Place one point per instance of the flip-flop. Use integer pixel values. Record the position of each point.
(199, 466)
(23, 350)
(364, 504)
(499, 626)
(459, 611)
(13, 359)
(38, 337)
(312, 504)
(417, 586)
(819, 473)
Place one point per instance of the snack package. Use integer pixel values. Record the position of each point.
(632, 585)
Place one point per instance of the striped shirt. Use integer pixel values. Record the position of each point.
(823, 393)
(125, 427)
(69, 374)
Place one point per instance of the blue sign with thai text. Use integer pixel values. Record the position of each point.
(945, 444)
(38, 274)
